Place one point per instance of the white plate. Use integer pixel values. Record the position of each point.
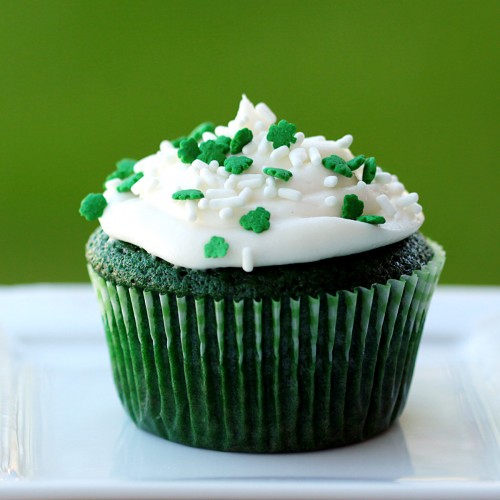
(63, 433)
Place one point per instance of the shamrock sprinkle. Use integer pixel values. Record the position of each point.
(237, 164)
(372, 219)
(282, 134)
(212, 150)
(224, 141)
(188, 150)
(356, 162)
(369, 170)
(352, 207)
(177, 142)
(127, 184)
(256, 220)
(198, 132)
(279, 173)
(240, 139)
(124, 168)
(188, 194)
(92, 206)
(338, 165)
(216, 248)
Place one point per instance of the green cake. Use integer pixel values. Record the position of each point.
(261, 291)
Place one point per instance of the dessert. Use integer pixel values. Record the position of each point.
(260, 290)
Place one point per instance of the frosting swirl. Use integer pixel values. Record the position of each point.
(181, 212)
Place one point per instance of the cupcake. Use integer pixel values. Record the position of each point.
(261, 291)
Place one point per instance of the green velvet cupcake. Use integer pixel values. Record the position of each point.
(260, 291)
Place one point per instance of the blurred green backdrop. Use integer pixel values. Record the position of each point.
(85, 83)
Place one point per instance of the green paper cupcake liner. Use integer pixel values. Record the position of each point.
(268, 375)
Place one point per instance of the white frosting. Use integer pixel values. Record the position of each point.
(305, 211)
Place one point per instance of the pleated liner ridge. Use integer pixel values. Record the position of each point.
(267, 375)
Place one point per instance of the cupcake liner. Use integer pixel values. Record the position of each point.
(267, 375)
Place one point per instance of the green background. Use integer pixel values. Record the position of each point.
(85, 83)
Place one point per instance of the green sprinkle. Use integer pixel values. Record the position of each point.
(372, 219)
(240, 139)
(198, 132)
(332, 161)
(237, 164)
(279, 173)
(352, 207)
(343, 170)
(188, 194)
(124, 168)
(356, 162)
(188, 150)
(256, 220)
(216, 248)
(224, 141)
(177, 142)
(282, 134)
(127, 184)
(211, 150)
(370, 170)
(92, 206)
(338, 165)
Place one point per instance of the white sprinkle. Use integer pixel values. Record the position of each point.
(259, 125)
(345, 142)
(203, 204)
(289, 194)
(218, 203)
(361, 185)
(330, 181)
(198, 164)
(249, 148)
(191, 206)
(324, 147)
(279, 153)
(270, 192)
(264, 145)
(270, 181)
(210, 178)
(113, 183)
(219, 193)
(213, 165)
(251, 181)
(208, 136)
(314, 156)
(395, 187)
(330, 201)
(416, 208)
(267, 115)
(297, 157)
(385, 204)
(245, 194)
(407, 200)
(226, 213)
(223, 172)
(300, 137)
(383, 178)
(231, 182)
(247, 259)
(166, 146)
(221, 130)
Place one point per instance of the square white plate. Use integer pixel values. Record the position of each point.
(63, 433)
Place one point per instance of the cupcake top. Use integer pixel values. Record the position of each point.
(254, 193)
